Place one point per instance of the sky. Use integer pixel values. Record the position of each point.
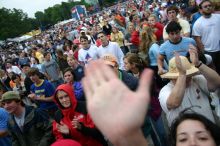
(29, 6)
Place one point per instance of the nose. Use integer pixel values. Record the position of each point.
(192, 141)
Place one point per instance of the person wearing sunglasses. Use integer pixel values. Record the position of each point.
(206, 32)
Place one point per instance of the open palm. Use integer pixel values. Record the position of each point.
(115, 109)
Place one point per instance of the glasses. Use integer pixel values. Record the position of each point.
(207, 6)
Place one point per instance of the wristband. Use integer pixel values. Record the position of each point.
(197, 66)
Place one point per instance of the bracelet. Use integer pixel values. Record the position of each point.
(197, 66)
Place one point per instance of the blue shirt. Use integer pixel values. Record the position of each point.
(4, 116)
(45, 89)
(153, 52)
(168, 48)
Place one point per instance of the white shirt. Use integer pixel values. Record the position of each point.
(14, 69)
(193, 97)
(209, 31)
(86, 55)
(114, 49)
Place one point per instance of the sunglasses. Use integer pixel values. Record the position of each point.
(207, 6)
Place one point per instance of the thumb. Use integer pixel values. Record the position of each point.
(145, 82)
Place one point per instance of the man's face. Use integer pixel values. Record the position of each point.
(34, 78)
(174, 36)
(102, 38)
(25, 69)
(10, 106)
(84, 43)
(8, 65)
(171, 15)
(207, 8)
(47, 57)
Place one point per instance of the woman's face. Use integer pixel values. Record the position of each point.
(68, 77)
(127, 65)
(71, 62)
(151, 21)
(193, 133)
(63, 98)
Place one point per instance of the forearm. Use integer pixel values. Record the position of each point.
(137, 138)
(176, 96)
(160, 60)
(199, 43)
(46, 99)
(212, 77)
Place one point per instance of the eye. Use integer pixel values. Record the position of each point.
(182, 140)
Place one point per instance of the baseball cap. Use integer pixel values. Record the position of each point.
(10, 95)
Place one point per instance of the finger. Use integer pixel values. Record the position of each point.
(145, 83)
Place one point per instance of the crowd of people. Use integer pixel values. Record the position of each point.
(139, 73)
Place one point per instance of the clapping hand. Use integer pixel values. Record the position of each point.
(63, 128)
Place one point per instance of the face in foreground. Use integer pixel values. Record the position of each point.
(193, 133)
(10, 106)
(64, 99)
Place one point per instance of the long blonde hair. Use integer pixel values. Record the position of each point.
(147, 38)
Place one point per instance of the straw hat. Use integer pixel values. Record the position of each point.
(173, 72)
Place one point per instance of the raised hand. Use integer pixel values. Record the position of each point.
(179, 66)
(115, 110)
(193, 55)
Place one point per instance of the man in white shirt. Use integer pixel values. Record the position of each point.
(11, 68)
(88, 51)
(206, 32)
(109, 47)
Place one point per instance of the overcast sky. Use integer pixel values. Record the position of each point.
(29, 6)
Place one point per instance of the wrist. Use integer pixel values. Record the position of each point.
(136, 138)
(197, 65)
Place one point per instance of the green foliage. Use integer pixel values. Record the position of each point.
(14, 22)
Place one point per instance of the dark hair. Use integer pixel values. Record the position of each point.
(209, 125)
(45, 53)
(15, 76)
(101, 32)
(37, 60)
(200, 4)
(70, 70)
(34, 71)
(84, 37)
(173, 26)
(175, 8)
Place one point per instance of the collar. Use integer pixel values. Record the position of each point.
(176, 42)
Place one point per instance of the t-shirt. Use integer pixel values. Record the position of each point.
(185, 28)
(45, 89)
(209, 31)
(86, 55)
(51, 68)
(153, 53)
(193, 98)
(114, 49)
(167, 49)
(14, 69)
(4, 116)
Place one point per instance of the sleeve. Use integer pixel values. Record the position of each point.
(120, 56)
(165, 35)
(55, 132)
(44, 68)
(78, 90)
(3, 120)
(163, 97)
(155, 50)
(80, 56)
(46, 126)
(162, 50)
(89, 129)
(196, 29)
(185, 26)
(49, 89)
